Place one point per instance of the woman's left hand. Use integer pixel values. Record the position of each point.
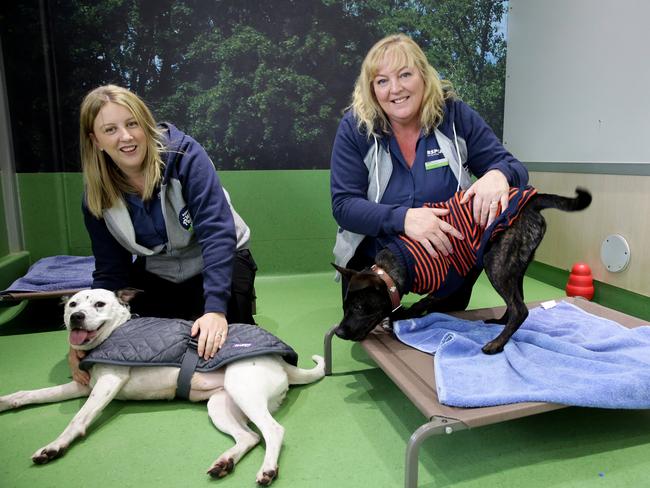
(212, 329)
(488, 191)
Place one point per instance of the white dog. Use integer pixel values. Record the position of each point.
(247, 389)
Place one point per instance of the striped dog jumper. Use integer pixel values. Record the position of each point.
(443, 275)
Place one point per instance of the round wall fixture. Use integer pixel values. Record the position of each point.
(615, 253)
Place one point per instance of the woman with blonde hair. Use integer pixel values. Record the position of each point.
(152, 192)
(405, 140)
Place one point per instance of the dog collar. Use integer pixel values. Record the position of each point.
(392, 288)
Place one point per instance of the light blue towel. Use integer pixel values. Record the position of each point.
(560, 355)
(56, 273)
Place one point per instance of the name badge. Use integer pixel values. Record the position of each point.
(438, 163)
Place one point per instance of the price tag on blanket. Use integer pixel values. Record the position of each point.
(549, 304)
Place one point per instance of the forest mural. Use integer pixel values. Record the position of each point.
(261, 84)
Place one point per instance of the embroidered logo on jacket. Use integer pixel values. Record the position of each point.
(185, 219)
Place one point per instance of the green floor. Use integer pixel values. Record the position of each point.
(348, 430)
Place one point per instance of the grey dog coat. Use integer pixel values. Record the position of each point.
(149, 341)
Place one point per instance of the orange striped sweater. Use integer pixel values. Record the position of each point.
(444, 274)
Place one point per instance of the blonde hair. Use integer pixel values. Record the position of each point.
(104, 182)
(401, 51)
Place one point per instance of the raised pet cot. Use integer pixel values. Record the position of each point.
(413, 373)
(48, 278)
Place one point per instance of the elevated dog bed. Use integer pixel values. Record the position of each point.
(47, 279)
(51, 277)
(413, 373)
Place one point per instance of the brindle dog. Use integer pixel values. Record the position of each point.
(375, 293)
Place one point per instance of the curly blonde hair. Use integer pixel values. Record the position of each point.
(104, 182)
(401, 51)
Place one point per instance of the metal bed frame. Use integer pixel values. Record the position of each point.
(412, 371)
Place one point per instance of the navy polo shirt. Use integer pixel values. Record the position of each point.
(429, 180)
(147, 218)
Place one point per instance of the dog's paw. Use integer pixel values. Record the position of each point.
(47, 454)
(265, 478)
(221, 468)
(492, 347)
(5, 404)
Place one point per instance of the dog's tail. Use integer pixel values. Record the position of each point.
(299, 376)
(547, 200)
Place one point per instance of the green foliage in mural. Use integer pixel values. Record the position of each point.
(262, 84)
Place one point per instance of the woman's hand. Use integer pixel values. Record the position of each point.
(80, 376)
(488, 191)
(212, 329)
(424, 226)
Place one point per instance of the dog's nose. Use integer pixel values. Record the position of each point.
(77, 317)
(340, 332)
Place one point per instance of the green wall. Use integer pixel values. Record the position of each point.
(288, 212)
(12, 265)
(4, 241)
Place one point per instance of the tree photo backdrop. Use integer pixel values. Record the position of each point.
(260, 84)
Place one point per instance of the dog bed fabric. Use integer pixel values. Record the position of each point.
(561, 355)
(411, 371)
(56, 273)
(148, 341)
(445, 274)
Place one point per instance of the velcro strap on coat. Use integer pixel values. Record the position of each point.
(188, 366)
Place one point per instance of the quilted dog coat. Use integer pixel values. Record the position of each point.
(148, 341)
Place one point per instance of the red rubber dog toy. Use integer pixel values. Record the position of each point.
(581, 283)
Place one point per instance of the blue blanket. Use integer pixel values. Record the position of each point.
(56, 273)
(560, 355)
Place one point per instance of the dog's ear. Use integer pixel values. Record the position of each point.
(348, 273)
(365, 280)
(125, 295)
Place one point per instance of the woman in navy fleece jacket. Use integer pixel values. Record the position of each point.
(406, 140)
(152, 192)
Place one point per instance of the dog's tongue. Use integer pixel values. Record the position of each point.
(78, 336)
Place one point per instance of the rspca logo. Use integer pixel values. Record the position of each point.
(433, 152)
(185, 219)
(242, 344)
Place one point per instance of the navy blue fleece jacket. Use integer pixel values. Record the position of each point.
(200, 211)
(430, 179)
